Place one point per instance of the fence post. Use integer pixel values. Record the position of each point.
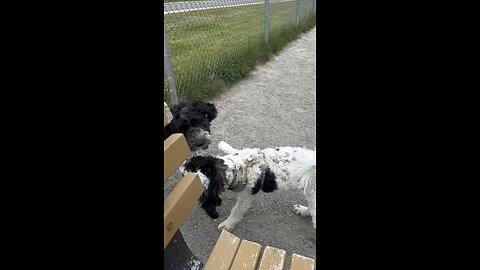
(297, 12)
(169, 70)
(314, 6)
(266, 20)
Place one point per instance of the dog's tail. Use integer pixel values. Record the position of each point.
(309, 179)
(226, 148)
(307, 171)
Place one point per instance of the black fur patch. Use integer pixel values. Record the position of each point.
(269, 183)
(258, 185)
(214, 169)
(195, 108)
(177, 125)
(266, 182)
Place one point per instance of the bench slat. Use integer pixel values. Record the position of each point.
(179, 203)
(223, 252)
(165, 119)
(272, 259)
(175, 151)
(247, 256)
(302, 263)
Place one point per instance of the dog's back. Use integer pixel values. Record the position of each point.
(292, 165)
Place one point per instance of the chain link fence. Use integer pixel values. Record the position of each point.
(207, 42)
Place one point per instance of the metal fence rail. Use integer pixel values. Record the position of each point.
(204, 40)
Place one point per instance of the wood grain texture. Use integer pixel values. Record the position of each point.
(175, 151)
(179, 203)
(223, 252)
(166, 114)
(247, 256)
(302, 263)
(165, 119)
(272, 259)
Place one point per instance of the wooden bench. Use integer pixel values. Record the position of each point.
(230, 252)
(178, 203)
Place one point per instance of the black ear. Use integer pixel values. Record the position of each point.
(177, 125)
(210, 199)
(214, 169)
(194, 163)
(210, 110)
(209, 206)
(189, 108)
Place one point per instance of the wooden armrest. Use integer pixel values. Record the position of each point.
(175, 151)
(179, 203)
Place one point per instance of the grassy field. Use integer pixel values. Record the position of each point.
(211, 49)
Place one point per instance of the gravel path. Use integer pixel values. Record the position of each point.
(274, 106)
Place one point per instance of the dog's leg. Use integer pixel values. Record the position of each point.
(311, 198)
(307, 211)
(312, 207)
(226, 148)
(244, 200)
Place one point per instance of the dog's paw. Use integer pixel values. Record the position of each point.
(301, 210)
(225, 225)
(223, 145)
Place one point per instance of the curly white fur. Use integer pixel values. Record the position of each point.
(294, 168)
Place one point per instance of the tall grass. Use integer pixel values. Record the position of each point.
(211, 49)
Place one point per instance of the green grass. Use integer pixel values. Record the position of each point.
(171, 1)
(211, 49)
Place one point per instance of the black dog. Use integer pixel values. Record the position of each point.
(193, 119)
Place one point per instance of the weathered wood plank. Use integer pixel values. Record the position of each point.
(179, 203)
(247, 256)
(223, 252)
(272, 259)
(165, 119)
(302, 263)
(166, 112)
(175, 151)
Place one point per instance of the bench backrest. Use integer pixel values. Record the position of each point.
(184, 196)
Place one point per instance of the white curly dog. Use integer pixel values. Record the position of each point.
(248, 170)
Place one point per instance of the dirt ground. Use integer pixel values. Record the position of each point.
(274, 106)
